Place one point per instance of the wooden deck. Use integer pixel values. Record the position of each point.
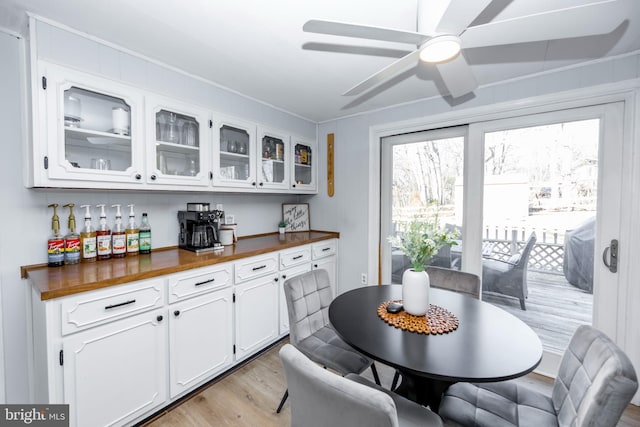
(554, 308)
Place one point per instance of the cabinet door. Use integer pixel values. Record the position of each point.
(94, 129)
(274, 159)
(200, 339)
(283, 325)
(179, 140)
(304, 170)
(234, 153)
(116, 372)
(330, 264)
(256, 315)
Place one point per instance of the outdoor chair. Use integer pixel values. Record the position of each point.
(322, 398)
(508, 277)
(451, 280)
(308, 297)
(595, 383)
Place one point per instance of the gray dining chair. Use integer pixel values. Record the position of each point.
(308, 297)
(451, 280)
(322, 398)
(595, 383)
(508, 277)
(454, 280)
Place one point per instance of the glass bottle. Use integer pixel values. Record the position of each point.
(145, 235)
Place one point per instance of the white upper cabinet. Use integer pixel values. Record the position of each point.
(92, 132)
(234, 153)
(274, 159)
(304, 172)
(179, 141)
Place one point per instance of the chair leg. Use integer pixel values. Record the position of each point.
(284, 399)
(522, 304)
(374, 371)
(394, 383)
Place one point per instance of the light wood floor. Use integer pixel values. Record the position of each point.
(249, 397)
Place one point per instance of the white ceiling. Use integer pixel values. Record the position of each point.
(258, 48)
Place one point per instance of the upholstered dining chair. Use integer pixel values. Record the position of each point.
(308, 298)
(595, 383)
(322, 398)
(451, 280)
(508, 277)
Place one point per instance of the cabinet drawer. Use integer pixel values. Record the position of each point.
(324, 249)
(95, 308)
(250, 268)
(295, 257)
(202, 280)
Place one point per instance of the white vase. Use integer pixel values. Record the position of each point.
(415, 292)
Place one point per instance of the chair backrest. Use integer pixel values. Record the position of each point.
(308, 297)
(454, 280)
(595, 382)
(526, 251)
(322, 398)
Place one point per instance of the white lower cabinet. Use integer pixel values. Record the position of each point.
(283, 327)
(200, 339)
(325, 256)
(118, 354)
(256, 314)
(116, 372)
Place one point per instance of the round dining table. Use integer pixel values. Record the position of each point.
(488, 345)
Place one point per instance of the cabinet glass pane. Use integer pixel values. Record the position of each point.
(234, 153)
(303, 162)
(96, 130)
(177, 144)
(273, 159)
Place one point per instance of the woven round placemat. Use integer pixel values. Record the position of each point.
(437, 321)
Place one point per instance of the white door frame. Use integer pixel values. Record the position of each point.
(624, 92)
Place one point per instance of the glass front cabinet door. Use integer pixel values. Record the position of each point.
(304, 172)
(178, 149)
(274, 157)
(94, 129)
(234, 154)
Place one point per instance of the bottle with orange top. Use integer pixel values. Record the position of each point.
(103, 236)
(72, 239)
(55, 245)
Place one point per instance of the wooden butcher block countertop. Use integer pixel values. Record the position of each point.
(55, 282)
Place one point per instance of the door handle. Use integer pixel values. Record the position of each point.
(611, 252)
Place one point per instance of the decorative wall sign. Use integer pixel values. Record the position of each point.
(330, 181)
(296, 216)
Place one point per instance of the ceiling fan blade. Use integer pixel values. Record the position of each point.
(346, 29)
(577, 21)
(457, 76)
(459, 15)
(385, 74)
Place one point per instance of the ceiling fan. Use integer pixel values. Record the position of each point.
(443, 33)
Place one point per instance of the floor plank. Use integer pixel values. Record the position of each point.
(249, 397)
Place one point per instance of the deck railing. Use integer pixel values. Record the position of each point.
(546, 255)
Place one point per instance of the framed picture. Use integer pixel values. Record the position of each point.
(296, 216)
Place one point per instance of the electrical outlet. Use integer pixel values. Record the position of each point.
(363, 278)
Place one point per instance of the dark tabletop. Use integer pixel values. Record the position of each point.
(489, 344)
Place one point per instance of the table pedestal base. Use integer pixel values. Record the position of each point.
(422, 390)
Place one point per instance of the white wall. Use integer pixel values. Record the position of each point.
(24, 216)
(348, 211)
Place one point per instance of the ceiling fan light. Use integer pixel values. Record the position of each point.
(440, 49)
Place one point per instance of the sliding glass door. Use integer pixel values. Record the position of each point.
(537, 201)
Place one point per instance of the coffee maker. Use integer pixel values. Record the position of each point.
(199, 228)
